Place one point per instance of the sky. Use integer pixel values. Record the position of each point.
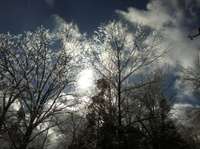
(19, 15)
(174, 19)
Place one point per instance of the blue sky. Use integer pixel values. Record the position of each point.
(19, 15)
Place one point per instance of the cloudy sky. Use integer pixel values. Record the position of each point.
(175, 19)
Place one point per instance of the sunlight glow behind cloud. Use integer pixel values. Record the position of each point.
(86, 81)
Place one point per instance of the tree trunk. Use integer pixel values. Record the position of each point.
(26, 138)
(119, 100)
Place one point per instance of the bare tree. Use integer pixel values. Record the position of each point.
(120, 56)
(191, 81)
(193, 36)
(40, 72)
(10, 83)
(191, 74)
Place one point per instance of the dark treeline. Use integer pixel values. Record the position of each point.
(128, 108)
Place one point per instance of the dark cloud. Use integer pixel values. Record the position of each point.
(50, 3)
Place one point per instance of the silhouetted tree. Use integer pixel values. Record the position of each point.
(39, 70)
(158, 128)
(191, 79)
(119, 56)
(10, 82)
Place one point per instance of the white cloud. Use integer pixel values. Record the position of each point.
(173, 19)
(147, 18)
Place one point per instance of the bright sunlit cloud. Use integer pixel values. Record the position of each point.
(85, 82)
